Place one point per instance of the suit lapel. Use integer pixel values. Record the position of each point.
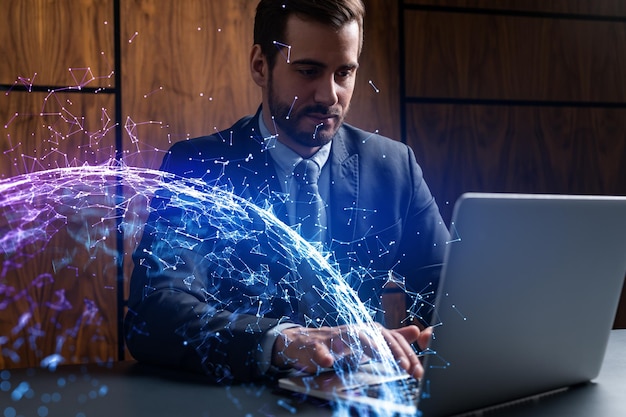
(344, 191)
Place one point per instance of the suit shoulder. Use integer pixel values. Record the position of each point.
(360, 140)
(227, 138)
(201, 152)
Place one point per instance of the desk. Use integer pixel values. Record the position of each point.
(129, 389)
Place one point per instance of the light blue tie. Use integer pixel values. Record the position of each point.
(310, 208)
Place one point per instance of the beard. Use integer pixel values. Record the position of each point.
(289, 120)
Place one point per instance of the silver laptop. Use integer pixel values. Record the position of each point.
(527, 299)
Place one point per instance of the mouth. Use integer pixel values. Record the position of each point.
(324, 119)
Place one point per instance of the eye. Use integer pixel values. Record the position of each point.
(308, 71)
(345, 74)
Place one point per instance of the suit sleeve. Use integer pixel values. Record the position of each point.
(425, 236)
(202, 295)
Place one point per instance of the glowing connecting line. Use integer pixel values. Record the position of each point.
(316, 129)
(282, 46)
(131, 128)
(105, 119)
(132, 38)
(371, 83)
(86, 78)
(455, 237)
(26, 82)
(291, 108)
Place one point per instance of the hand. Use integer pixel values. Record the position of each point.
(309, 349)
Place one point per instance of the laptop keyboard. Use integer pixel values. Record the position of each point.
(404, 390)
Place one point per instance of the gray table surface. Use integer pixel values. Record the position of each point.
(128, 389)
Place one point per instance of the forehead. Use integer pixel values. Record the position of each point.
(310, 40)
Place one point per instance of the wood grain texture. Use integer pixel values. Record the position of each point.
(41, 131)
(562, 150)
(58, 289)
(519, 149)
(48, 312)
(609, 8)
(375, 106)
(58, 292)
(41, 40)
(185, 73)
(457, 55)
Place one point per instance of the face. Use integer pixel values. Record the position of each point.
(308, 92)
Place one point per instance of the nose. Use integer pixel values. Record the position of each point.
(326, 91)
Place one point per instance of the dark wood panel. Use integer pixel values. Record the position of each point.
(584, 7)
(58, 281)
(57, 43)
(518, 149)
(376, 106)
(186, 72)
(456, 55)
(49, 130)
(58, 285)
(59, 273)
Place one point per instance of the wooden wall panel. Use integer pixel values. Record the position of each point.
(57, 290)
(185, 70)
(58, 293)
(42, 131)
(514, 57)
(41, 40)
(518, 149)
(376, 106)
(608, 8)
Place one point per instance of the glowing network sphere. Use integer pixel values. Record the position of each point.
(95, 205)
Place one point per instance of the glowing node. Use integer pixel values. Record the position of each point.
(282, 46)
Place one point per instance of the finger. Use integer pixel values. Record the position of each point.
(411, 333)
(306, 349)
(403, 352)
(347, 347)
(425, 337)
(313, 357)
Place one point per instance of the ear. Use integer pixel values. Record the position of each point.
(258, 66)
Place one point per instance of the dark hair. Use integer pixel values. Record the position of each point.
(270, 22)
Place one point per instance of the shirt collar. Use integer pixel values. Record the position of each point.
(285, 157)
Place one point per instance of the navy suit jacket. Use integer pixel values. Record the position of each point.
(207, 304)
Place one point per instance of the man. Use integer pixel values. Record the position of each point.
(201, 305)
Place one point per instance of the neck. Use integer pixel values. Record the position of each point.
(302, 150)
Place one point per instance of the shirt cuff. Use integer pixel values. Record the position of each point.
(264, 356)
